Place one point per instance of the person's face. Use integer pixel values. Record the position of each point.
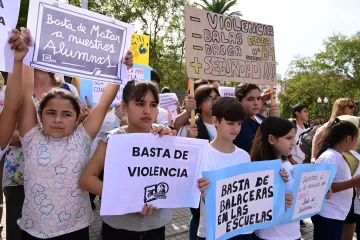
(227, 130)
(39, 74)
(349, 109)
(303, 114)
(252, 102)
(59, 118)
(283, 145)
(206, 105)
(142, 114)
(263, 109)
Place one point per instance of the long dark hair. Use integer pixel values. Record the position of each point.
(335, 132)
(261, 148)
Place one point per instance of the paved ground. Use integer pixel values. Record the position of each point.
(176, 230)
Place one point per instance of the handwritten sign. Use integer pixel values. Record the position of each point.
(162, 172)
(140, 46)
(312, 181)
(169, 101)
(220, 47)
(94, 89)
(244, 198)
(227, 91)
(9, 13)
(76, 42)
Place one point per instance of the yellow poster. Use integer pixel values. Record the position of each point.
(140, 47)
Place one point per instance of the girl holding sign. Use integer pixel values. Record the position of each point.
(56, 149)
(276, 138)
(140, 101)
(340, 136)
(8, 117)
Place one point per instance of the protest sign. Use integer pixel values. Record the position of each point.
(220, 47)
(244, 198)
(77, 42)
(312, 181)
(169, 101)
(162, 172)
(9, 13)
(227, 91)
(94, 89)
(140, 46)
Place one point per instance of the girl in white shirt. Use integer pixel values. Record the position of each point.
(274, 139)
(8, 116)
(340, 136)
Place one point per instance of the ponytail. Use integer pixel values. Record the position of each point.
(335, 132)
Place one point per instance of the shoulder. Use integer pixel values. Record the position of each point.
(328, 157)
(104, 136)
(245, 157)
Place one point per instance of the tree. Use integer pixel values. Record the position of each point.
(220, 6)
(333, 73)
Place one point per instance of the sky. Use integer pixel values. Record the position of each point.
(301, 26)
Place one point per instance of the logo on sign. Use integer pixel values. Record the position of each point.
(47, 58)
(156, 191)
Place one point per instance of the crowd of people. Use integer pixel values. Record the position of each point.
(54, 152)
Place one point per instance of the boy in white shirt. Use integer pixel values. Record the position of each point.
(301, 115)
(227, 116)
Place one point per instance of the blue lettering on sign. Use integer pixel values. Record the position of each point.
(98, 89)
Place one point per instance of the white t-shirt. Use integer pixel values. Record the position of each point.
(211, 130)
(338, 206)
(357, 173)
(162, 116)
(296, 152)
(218, 160)
(289, 231)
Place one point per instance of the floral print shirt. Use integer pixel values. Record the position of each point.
(14, 161)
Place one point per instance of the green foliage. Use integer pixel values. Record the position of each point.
(220, 6)
(333, 73)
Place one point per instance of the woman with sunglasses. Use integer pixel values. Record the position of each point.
(342, 106)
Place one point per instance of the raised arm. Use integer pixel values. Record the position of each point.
(9, 115)
(89, 180)
(93, 122)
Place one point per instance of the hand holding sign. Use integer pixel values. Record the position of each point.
(329, 194)
(18, 45)
(288, 200)
(190, 104)
(129, 60)
(147, 210)
(203, 184)
(284, 174)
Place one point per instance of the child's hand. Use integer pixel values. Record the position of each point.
(129, 60)
(26, 36)
(284, 174)
(161, 130)
(329, 194)
(192, 132)
(18, 45)
(190, 104)
(203, 184)
(147, 210)
(288, 200)
(274, 110)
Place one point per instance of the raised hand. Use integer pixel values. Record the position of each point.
(17, 44)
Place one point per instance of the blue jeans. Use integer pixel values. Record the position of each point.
(193, 228)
